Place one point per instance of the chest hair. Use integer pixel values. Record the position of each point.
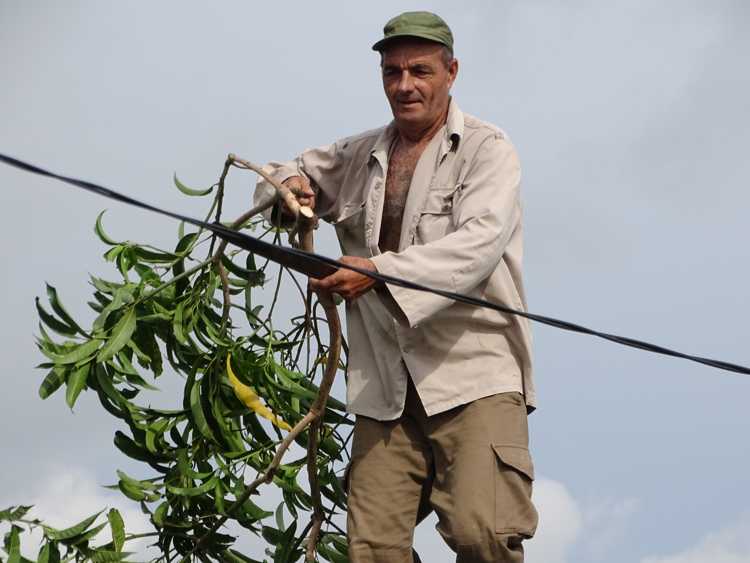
(401, 166)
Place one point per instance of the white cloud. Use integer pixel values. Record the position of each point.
(67, 495)
(560, 521)
(559, 537)
(559, 527)
(606, 522)
(731, 544)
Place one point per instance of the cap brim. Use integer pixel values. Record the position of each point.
(386, 40)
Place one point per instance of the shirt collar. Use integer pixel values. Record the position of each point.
(383, 144)
(454, 128)
(453, 132)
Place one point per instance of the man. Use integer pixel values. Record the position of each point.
(440, 389)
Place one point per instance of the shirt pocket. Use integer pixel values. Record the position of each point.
(436, 217)
(350, 230)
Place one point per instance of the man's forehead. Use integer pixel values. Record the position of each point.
(412, 52)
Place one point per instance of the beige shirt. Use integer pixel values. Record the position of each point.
(461, 232)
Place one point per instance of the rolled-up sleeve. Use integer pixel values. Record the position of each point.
(486, 211)
(323, 166)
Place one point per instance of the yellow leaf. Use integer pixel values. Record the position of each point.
(250, 399)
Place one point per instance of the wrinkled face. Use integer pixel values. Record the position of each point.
(417, 81)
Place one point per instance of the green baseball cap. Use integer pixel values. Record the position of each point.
(424, 25)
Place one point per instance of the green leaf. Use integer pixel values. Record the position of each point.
(156, 257)
(148, 275)
(120, 336)
(58, 308)
(127, 446)
(331, 554)
(99, 230)
(286, 543)
(58, 326)
(131, 491)
(118, 528)
(78, 353)
(232, 556)
(147, 485)
(122, 295)
(190, 191)
(76, 383)
(280, 516)
(249, 508)
(177, 327)
(160, 514)
(199, 417)
(108, 556)
(126, 368)
(13, 544)
(104, 286)
(49, 553)
(73, 531)
(55, 378)
(143, 359)
(193, 491)
(104, 382)
(113, 253)
(14, 513)
(85, 536)
(253, 276)
(219, 497)
(186, 244)
(146, 340)
(272, 535)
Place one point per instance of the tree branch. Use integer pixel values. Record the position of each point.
(306, 222)
(319, 406)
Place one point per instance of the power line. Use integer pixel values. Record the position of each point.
(318, 266)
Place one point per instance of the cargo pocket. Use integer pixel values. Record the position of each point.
(514, 511)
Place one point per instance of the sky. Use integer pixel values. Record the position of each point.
(632, 124)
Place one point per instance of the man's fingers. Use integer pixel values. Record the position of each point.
(302, 191)
(349, 284)
(326, 283)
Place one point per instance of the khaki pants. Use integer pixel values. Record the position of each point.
(470, 464)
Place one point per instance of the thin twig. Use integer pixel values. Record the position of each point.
(241, 220)
(173, 280)
(226, 294)
(283, 191)
(319, 406)
(305, 224)
(220, 198)
(265, 477)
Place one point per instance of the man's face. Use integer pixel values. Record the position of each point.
(417, 81)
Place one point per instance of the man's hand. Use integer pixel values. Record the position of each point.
(300, 187)
(347, 283)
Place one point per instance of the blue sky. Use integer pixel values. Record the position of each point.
(632, 123)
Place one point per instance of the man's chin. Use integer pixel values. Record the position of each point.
(410, 116)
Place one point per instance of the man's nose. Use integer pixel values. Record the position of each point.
(406, 83)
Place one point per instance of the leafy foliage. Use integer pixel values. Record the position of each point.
(162, 317)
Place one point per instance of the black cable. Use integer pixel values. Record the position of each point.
(317, 266)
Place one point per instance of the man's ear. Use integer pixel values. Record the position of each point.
(453, 70)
